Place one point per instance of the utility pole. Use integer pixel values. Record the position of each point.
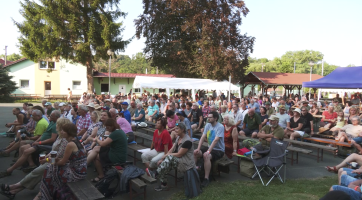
(6, 52)
(294, 67)
(322, 67)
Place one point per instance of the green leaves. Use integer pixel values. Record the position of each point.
(7, 86)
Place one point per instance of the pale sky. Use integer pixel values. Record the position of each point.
(332, 27)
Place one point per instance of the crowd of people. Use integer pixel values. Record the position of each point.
(98, 129)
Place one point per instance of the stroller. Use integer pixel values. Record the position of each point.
(272, 160)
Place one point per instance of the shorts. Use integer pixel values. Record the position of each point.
(197, 123)
(345, 181)
(349, 173)
(215, 154)
(301, 133)
(248, 132)
(28, 142)
(358, 140)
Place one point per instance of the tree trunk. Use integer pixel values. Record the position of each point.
(90, 75)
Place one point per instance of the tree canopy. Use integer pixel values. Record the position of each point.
(285, 64)
(196, 38)
(11, 57)
(79, 31)
(7, 86)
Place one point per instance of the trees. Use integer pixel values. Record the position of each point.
(7, 86)
(11, 57)
(80, 31)
(196, 38)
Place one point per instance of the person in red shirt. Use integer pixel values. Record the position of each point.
(329, 118)
(161, 143)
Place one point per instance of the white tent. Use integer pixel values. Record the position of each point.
(183, 83)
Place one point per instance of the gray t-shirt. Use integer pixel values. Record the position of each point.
(216, 131)
(283, 120)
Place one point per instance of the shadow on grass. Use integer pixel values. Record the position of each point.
(296, 189)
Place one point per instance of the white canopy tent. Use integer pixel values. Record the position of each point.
(192, 84)
(339, 91)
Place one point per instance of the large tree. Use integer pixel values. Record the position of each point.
(11, 57)
(7, 86)
(196, 38)
(79, 30)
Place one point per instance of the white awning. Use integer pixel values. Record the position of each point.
(182, 83)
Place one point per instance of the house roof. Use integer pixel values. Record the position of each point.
(14, 62)
(130, 75)
(269, 78)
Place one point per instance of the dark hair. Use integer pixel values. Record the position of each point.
(158, 104)
(70, 129)
(18, 109)
(121, 114)
(39, 108)
(108, 113)
(112, 123)
(183, 105)
(26, 104)
(169, 113)
(263, 109)
(189, 104)
(163, 122)
(75, 109)
(247, 101)
(215, 115)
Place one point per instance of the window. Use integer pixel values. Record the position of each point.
(137, 90)
(24, 84)
(104, 87)
(177, 91)
(77, 85)
(46, 65)
(161, 90)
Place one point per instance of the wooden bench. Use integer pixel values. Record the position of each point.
(84, 190)
(328, 141)
(151, 124)
(138, 183)
(135, 148)
(319, 147)
(148, 130)
(25, 96)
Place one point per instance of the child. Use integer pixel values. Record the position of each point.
(339, 124)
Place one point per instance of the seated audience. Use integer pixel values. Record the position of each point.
(182, 116)
(20, 121)
(263, 116)
(214, 136)
(101, 130)
(230, 136)
(239, 120)
(353, 111)
(67, 108)
(171, 120)
(314, 110)
(139, 114)
(161, 144)
(71, 168)
(93, 128)
(273, 130)
(152, 111)
(308, 121)
(196, 118)
(125, 127)
(125, 111)
(284, 119)
(75, 116)
(329, 118)
(351, 131)
(179, 157)
(252, 123)
(34, 177)
(84, 120)
(111, 150)
(342, 169)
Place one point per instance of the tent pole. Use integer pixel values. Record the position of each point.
(229, 87)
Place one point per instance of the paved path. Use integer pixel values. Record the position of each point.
(307, 167)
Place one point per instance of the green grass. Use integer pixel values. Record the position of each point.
(297, 189)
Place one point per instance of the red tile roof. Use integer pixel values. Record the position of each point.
(269, 78)
(14, 62)
(3, 62)
(129, 75)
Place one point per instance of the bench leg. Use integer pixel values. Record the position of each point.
(318, 155)
(321, 154)
(130, 190)
(292, 158)
(297, 157)
(144, 193)
(134, 157)
(176, 177)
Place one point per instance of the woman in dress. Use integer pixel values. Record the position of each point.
(97, 131)
(34, 177)
(93, 128)
(71, 168)
(230, 136)
(69, 97)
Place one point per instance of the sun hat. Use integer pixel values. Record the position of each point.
(48, 104)
(273, 117)
(297, 110)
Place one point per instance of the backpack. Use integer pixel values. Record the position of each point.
(248, 143)
(192, 183)
(109, 184)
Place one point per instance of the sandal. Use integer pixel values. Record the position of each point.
(96, 179)
(7, 194)
(332, 169)
(4, 187)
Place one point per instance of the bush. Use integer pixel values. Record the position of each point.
(6, 99)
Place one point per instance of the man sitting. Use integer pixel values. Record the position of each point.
(308, 121)
(336, 106)
(20, 121)
(152, 111)
(47, 138)
(126, 113)
(282, 103)
(196, 117)
(49, 108)
(84, 120)
(253, 123)
(269, 109)
(271, 131)
(67, 111)
(284, 119)
(254, 105)
(214, 135)
(40, 127)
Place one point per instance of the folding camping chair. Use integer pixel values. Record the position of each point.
(272, 159)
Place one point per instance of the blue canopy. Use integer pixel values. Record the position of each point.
(342, 77)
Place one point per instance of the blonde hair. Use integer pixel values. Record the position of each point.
(342, 120)
(231, 119)
(97, 115)
(60, 123)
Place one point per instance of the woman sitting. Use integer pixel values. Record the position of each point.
(98, 131)
(93, 128)
(111, 150)
(314, 110)
(34, 177)
(230, 136)
(328, 120)
(353, 112)
(75, 116)
(139, 115)
(296, 125)
(72, 167)
(161, 144)
(339, 123)
(171, 120)
(125, 127)
(350, 131)
(179, 157)
(263, 116)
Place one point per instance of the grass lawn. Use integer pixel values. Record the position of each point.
(297, 189)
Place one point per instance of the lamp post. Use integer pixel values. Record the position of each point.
(311, 63)
(110, 53)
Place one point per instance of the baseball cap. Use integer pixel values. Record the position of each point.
(273, 117)
(48, 104)
(124, 103)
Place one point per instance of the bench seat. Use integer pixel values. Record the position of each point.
(84, 190)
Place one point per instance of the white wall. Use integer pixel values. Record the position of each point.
(23, 71)
(72, 72)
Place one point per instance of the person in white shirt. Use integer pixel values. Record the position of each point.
(163, 105)
(284, 119)
(240, 117)
(275, 104)
(67, 111)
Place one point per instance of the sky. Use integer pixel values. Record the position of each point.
(332, 27)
